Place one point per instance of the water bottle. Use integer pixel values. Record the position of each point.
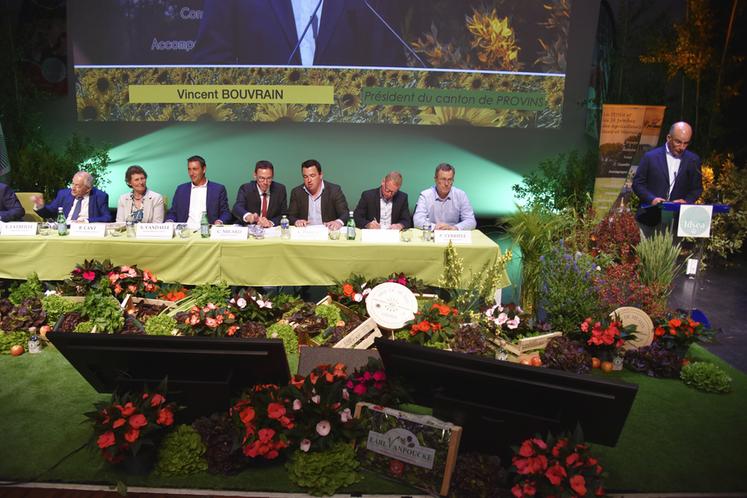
(204, 226)
(427, 229)
(351, 227)
(284, 228)
(61, 222)
(34, 343)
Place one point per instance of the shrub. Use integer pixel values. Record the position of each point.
(160, 325)
(706, 377)
(283, 330)
(657, 266)
(562, 353)
(55, 306)
(181, 453)
(32, 287)
(322, 473)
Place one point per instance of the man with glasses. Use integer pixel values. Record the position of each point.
(669, 173)
(262, 201)
(385, 207)
(443, 204)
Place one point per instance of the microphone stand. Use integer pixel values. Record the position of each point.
(305, 30)
(394, 32)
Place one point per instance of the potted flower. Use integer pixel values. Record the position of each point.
(516, 332)
(603, 338)
(676, 332)
(127, 427)
(556, 467)
(434, 324)
(264, 418)
(209, 320)
(132, 280)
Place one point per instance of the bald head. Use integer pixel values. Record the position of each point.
(680, 134)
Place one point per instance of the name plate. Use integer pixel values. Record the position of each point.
(314, 232)
(154, 231)
(18, 228)
(380, 236)
(453, 236)
(89, 230)
(229, 233)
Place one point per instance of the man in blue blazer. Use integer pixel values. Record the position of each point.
(191, 199)
(262, 201)
(669, 173)
(10, 206)
(82, 202)
(265, 32)
(384, 207)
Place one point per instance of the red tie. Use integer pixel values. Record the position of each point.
(264, 205)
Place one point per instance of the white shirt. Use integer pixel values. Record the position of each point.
(315, 206)
(83, 215)
(302, 12)
(385, 209)
(673, 165)
(197, 204)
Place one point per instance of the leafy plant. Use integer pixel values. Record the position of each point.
(132, 280)
(434, 324)
(283, 330)
(470, 338)
(181, 453)
(87, 276)
(104, 312)
(657, 264)
(84, 327)
(565, 354)
(562, 182)
(616, 237)
(654, 361)
(677, 331)
(26, 315)
(55, 306)
(209, 320)
(479, 475)
(222, 441)
(10, 339)
(160, 325)
(250, 305)
(217, 294)
(706, 377)
(32, 287)
(323, 473)
(330, 312)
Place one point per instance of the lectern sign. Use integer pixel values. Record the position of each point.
(391, 305)
(695, 221)
(154, 231)
(89, 230)
(18, 228)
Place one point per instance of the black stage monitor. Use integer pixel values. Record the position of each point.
(500, 404)
(203, 372)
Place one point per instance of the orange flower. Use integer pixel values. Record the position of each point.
(156, 400)
(348, 290)
(132, 435)
(297, 381)
(105, 440)
(165, 417)
(675, 322)
(119, 423)
(247, 415)
(138, 421)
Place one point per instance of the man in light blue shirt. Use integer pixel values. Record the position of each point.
(444, 204)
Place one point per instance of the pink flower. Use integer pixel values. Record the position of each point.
(513, 323)
(345, 394)
(316, 399)
(241, 303)
(89, 275)
(358, 297)
(137, 421)
(297, 404)
(360, 389)
(323, 428)
(345, 415)
(211, 322)
(502, 318)
(379, 376)
(304, 445)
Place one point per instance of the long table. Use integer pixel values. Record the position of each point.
(269, 262)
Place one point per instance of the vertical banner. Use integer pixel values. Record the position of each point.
(627, 132)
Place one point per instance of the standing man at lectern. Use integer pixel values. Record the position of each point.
(669, 173)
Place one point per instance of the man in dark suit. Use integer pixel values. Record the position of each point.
(82, 202)
(10, 206)
(191, 199)
(384, 207)
(265, 32)
(261, 201)
(317, 202)
(669, 173)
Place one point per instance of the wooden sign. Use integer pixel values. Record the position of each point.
(644, 333)
(525, 344)
(391, 305)
(361, 337)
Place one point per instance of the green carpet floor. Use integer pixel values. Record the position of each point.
(676, 439)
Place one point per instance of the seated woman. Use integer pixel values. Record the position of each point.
(141, 205)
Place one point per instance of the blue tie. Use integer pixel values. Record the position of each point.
(76, 209)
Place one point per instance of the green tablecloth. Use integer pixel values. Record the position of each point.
(253, 262)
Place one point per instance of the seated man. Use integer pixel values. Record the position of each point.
(384, 207)
(443, 204)
(317, 202)
(10, 206)
(261, 201)
(191, 199)
(82, 202)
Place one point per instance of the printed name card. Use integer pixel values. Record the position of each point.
(89, 230)
(380, 236)
(229, 232)
(18, 229)
(157, 231)
(453, 236)
(314, 232)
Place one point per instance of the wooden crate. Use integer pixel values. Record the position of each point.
(527, 344)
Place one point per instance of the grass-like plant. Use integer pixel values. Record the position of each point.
(658, 265)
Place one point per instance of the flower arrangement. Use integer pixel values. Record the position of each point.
(209, 320)
(265, 420)
(172, 292)
(352, 293)
(85, 276)
(128, 422)
(677, 332)
(370, 383)
(321, 408)
(250, 305)
(132, 280)
(435, 324)
(556, 467)
(604, 337)
(412, 283)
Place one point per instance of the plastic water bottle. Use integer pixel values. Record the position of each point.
(61, 222)
(284, 228)
(351, 227)
(427, 229)
(204, 226)
(34, 343)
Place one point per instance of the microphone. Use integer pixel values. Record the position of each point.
(306, 29)
(394, 32)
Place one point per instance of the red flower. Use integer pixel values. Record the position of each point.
(266, 435)
(526, 449)
(138, 421)
(105, 440)
(132, 435)
(89, 275)
(118, 423)
(562, 443)
(396, 467)
(156, 400)
(348, 290)
(555, 474)
(297, 381)
(578, 484)
(275, 410)
(165, 417)
(126, 410)
(247, 415)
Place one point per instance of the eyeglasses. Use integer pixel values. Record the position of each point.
(678, 142)
(264, 179)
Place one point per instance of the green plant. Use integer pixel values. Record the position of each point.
(160, 325)
(55, 306)
(181, 453)
(330, 312)
(32, 287)
(323, 473)
(706, 377)
(104, 312)
(657, 264)
(534, 230)
(10, 339)
(283, 330)
(471, 296)
(84, 327)
(217, 294)
(564, 181)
